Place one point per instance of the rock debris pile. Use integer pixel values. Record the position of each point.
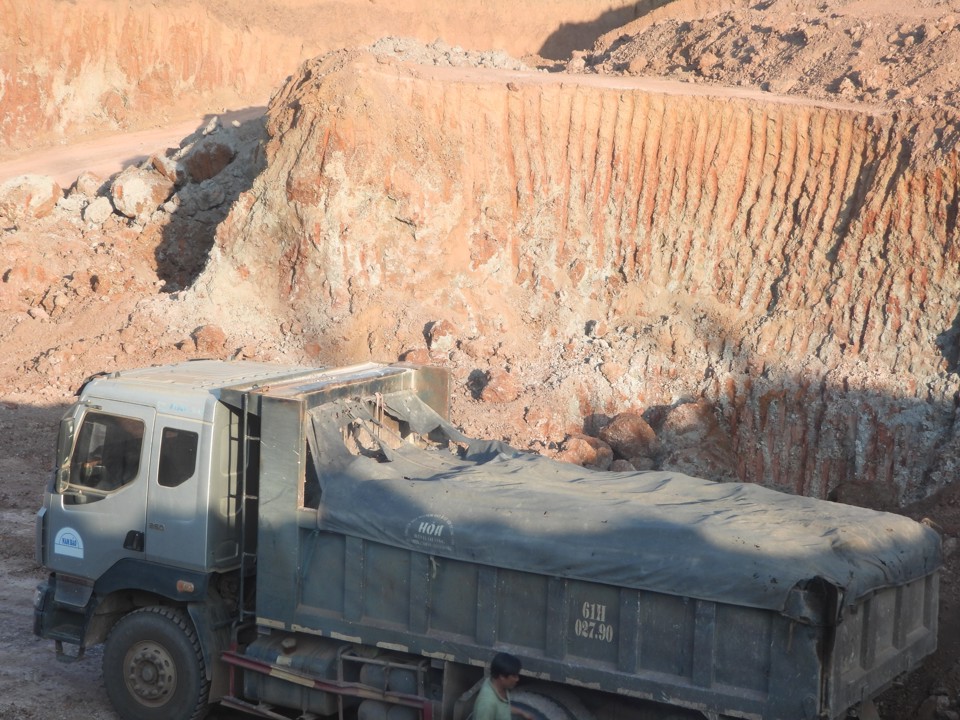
(883, 53)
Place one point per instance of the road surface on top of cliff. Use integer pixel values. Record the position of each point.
(108, 154)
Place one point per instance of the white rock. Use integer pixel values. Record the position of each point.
(136, 193)
(97, 212)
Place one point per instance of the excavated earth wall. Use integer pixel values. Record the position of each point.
(71, 68)
(625, 246)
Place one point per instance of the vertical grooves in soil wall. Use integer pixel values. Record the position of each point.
(796, 265)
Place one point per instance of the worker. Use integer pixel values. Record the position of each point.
(493, 700)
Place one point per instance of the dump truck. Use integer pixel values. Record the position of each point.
(323, 542)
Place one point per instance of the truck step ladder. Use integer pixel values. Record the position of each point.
(248, 492)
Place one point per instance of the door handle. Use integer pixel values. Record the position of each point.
(133, 541)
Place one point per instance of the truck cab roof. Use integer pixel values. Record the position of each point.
(193, 388)
(187, 389)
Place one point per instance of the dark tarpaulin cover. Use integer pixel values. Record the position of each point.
(666, 532)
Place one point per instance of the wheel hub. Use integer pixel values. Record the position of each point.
(151, 673)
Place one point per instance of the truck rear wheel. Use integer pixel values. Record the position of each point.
(153, 666)
(548, 704)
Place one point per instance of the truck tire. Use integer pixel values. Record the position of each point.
(550, 704)
(153, 666)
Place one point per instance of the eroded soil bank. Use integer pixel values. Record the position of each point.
(624, 245)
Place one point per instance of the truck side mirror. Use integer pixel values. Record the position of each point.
(63, 479)
(64, 446)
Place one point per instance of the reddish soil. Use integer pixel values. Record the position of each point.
(738, 219)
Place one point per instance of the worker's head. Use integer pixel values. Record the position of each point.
(504, 665)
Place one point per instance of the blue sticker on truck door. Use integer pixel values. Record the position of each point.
(68, 542)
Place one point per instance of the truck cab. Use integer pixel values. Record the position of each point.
(146, 472)
(144, 505)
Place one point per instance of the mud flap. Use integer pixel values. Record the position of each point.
(62, 655)
(868, 711)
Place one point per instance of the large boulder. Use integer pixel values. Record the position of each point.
(208, 157)
(696, 444)
(501, 387)
(137, 193)
(590, 452)
(89, 184)
(630, 436)
(29, 196)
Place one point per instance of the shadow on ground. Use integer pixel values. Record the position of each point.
(219, 162)
(569, 37)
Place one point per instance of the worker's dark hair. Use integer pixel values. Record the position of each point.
(504, 664)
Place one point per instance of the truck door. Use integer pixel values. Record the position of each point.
(98, 512)
(176, 511)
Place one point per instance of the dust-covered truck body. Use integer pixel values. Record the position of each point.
(305, 542)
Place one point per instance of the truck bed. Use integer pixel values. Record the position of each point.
(726, 598)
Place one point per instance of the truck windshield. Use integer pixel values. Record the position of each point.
(107, 453)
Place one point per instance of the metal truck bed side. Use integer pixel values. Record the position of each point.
(724, 598)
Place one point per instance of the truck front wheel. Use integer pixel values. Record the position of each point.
(153, 666)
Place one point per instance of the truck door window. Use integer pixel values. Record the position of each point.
(178, 456)
(107, 453)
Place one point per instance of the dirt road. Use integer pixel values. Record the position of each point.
(106, 155)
